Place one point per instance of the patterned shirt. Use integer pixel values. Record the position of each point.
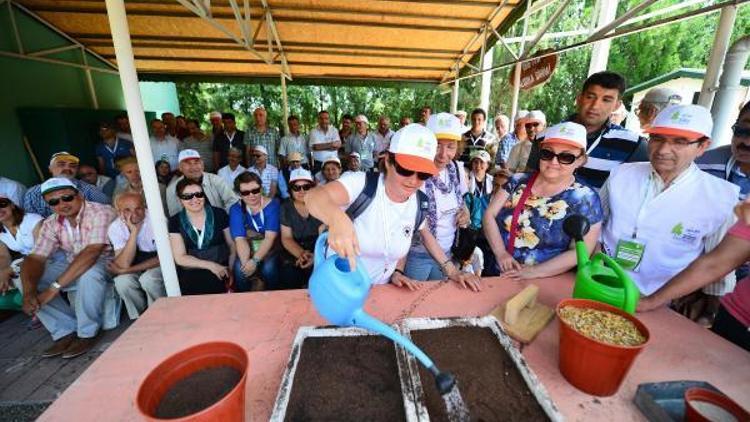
(507, 143)
(268, 139)
(365, 146)
(383, 141)
(34, 202)
(291, 143)
(92, 223)
(475, 142)
(268, 175)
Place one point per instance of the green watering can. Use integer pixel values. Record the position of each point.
(601, 278)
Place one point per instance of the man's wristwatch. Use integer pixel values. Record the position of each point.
(256, 260)
(56, 285)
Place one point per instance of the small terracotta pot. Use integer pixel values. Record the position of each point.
(701, 394)
(231, 407)
(592, 366)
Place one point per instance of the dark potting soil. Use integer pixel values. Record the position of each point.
(490, 383)
(197, 391)
(346, 379)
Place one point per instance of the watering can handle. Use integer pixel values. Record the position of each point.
(631, 292)
(321, 246)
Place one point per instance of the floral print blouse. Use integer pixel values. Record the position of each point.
(540, 236)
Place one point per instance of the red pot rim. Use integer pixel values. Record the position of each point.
(717, 399)
(601, 306)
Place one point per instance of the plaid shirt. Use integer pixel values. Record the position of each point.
(268, 175)
(507, 143)
(92, 223)
(35, 203)
(268, 139)
(364, 146)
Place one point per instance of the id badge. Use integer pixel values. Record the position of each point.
(256, 244)
(629, 253)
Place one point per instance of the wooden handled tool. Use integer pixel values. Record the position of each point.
(522, 316)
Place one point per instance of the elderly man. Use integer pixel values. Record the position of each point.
(78, 228)
(655, 100)
(133, 183)
(216, 124)
(268, 173)
(294, 141)
(138, 277)
(233, 168)
(506, 139)
(533, 123)
(354, 162)
(262, 135)
(362, 142)
(294, 161)
(163, 145)
(477, 137)
(608, 145)
(324, 141)
(89, 175)
(461, 114)
(229, 138)
(218, 192)
(663, 214)
(383, 135)
(62, 164)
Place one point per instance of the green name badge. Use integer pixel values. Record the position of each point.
(256, 244)
(629, 253)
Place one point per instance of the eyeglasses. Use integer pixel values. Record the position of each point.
(189, 196)
(257, 155)
(741, 132)
(409, 173)
(65, 198)
(251, 191)
(562, 158)
(305, 187)
(4, 203)
(532, 125)
(675, 143)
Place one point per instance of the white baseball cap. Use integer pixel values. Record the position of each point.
(662, 95)
(300, 174)
(566, 133)
(536, 116)
(414, 147)
(686, 120)
(294, 156)
(481, 154)
(521, 114)
(332, 160)
(57, 183)
(187, 154)
(261, 149)
(445, 126)
(355, 155)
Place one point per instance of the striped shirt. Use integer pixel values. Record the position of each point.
(721, 163)
(269, 139)
(92, 223)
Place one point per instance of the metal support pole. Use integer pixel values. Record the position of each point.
(89, 80)
(600, 52)
(454, 97)
(16, 34)
(716, 60)
(727, 101)
(285, 102)
(547, 25)
(118, 24)
(602, 31)
(517, 68)
(484, 94)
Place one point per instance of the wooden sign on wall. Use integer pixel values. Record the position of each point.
(536, 72)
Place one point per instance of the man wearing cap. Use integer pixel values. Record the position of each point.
(111, 149)
(477, 137)
(262, 135)
(218, 192)
(268, 173)
(661, 215)
(655, 100)
(294, 141)
(330, 171)
(353, 163)
(534, 123)
(62, 164)
(163, 145)
(362, 141)
(230, 137)
(609, 145)
(78, 228)
(324, 141)
(293, 161)
(383, 135)
(233, 168)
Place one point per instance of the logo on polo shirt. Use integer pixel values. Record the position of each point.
(685, 235)
(407, 231)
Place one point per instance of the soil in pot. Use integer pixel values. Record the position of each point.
(491, 384)
(197, 391)
(346, 378)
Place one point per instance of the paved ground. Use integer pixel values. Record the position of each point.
(28, 382)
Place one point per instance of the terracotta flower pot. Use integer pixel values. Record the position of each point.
(230, 407)
(592, 366)
(697, 394)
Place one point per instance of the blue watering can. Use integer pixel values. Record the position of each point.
(339, 295)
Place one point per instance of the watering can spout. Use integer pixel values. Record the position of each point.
(364, 320)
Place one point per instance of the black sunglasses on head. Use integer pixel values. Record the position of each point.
(562, 158)
(4, 203)
(741, 132)
(189, 196)
(305, 187)
(65, 198)
(409, 173)
(251, 191)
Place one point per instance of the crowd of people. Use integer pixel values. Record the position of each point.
(433, 200)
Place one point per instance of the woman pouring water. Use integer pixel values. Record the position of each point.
(374, 216)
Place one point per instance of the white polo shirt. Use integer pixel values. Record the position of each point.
(384, 229)
(317, 136)
(119, 234)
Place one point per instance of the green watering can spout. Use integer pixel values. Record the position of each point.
(599, 278)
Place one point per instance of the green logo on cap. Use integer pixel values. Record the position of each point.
(677, 230)
(675, 116)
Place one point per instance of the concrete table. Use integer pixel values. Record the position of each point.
(265, 323)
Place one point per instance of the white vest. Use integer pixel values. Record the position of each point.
(673, 225)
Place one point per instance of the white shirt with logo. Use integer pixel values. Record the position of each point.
(317, 136)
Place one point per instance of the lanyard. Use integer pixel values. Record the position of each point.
(595, 143)
(644, 199)
(729, 167)
(201, 234)
(113, 151)
(387, 225)
(262, 219)
(231, 138)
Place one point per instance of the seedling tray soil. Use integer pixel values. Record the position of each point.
(197, 391)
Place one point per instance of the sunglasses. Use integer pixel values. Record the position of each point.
(562, 158)
(305, 187)
(531, 125)
(741, 132)
(409, 173)
(189, 196)
(4, 203)
(56, 201)
(257, 155)
(251, 191)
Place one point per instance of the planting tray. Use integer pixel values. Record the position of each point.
(665, 401)
(415, 388)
